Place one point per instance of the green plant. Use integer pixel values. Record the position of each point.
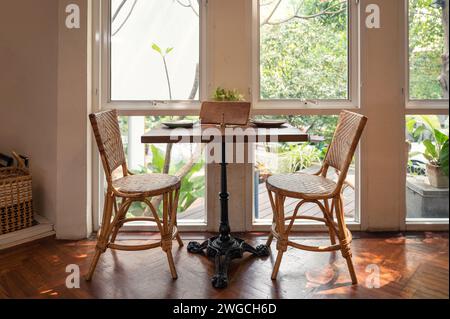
(427, 130)
(192, 185)
(443, 158)
(434, 149)
(163, 55)
(303, 156)
(221, 94)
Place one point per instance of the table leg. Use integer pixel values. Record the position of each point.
(225, 247)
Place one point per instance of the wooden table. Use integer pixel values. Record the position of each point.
(224, 247)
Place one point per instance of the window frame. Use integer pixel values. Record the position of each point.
(415, 105)
(287, 105)
(298, 107)
(150, 107)
(101, 89)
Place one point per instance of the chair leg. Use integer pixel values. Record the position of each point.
(93, 265)
(175, 204)
(105, 232)
(180, 242)
(173, 271)
(269, 240)
(169, 210)
(274, 214)
(276, 268)
(282, 233)
(344, 240)
(330, 218)
(121, 216)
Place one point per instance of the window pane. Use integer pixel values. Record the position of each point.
(428, 76)
(304, 49)
(187, 161)
(426, 181)
(280, 158)
(154, 50)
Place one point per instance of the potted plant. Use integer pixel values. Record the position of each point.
(436, 152)
(427, 130)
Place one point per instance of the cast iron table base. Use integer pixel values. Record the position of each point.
(225, 247)
(223, 252)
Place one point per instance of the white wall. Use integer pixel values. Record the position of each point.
(73, 220)
(43, 106)
(28, 89)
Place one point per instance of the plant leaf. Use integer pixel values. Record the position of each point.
(418, 132)
(410, 124)
(443, 157)
(168, 50)
(158, 159)
(430, 150)
(431, 122)
(156, 48)
(440, 137)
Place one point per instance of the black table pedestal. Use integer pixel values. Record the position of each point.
(223, 252)
(225, 247)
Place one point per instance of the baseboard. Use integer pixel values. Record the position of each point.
(43, 229)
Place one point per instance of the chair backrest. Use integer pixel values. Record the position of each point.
(109, 141)
(345, 141)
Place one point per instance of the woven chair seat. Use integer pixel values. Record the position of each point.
(301, 185)
(146, 184)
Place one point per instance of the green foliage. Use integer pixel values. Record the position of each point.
(315, 125)
(163, 53)
(443, 158)
(221, 94)
(301, 156)
(426, 46)
(192, 186)
(428, 130)
(306, 58)
(156, 48)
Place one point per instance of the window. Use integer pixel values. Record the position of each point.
(154, 50)
(151, 58)
(427, 129)
(186, 161)
(427, 180)
(304, 50)
(281, 158)
(428, 50)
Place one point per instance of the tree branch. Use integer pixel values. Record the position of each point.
(296, 15)
(127, 17)
(189, 5)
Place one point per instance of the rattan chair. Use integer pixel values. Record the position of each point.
(129, 189)
(320, 190)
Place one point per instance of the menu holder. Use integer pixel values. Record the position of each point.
(225, 113)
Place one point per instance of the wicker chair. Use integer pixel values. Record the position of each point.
(320, 190)
(129, 189)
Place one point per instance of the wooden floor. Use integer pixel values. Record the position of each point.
(411, 266)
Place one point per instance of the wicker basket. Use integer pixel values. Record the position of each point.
(16, 200)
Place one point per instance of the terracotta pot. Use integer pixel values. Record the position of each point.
(436, 176)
